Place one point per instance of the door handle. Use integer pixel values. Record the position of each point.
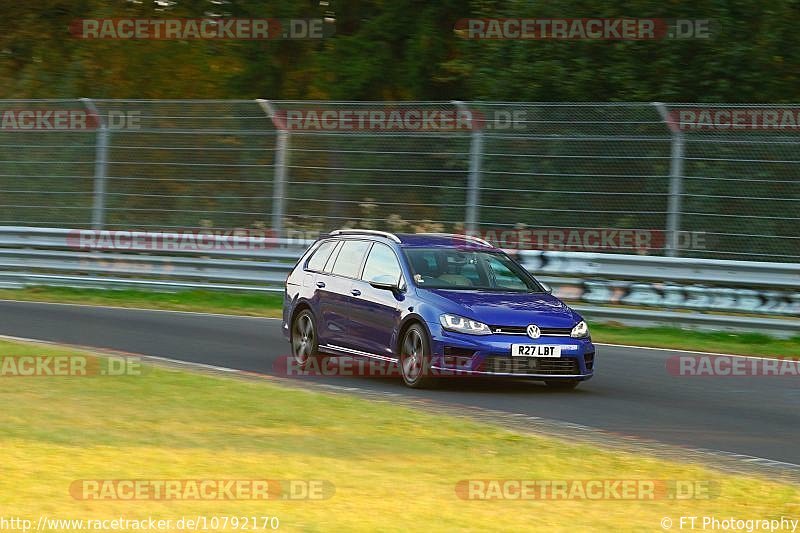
(355, 292)
(320, 284)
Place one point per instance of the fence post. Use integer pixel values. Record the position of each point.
(474, 181)
(281, 167)
(675, 181)
(100, 166)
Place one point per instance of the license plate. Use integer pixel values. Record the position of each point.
(535, 350)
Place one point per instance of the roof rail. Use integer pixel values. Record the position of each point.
(386, 234)
(465, 237)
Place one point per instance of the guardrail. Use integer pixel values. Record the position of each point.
(705, 285)
(719, 294)
(53, 256)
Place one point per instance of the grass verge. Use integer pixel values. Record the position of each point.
(702, 341)
(234, 303)
(269, 305)
(393, 468)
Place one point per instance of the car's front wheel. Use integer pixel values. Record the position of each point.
(304, 338)
(415, 358)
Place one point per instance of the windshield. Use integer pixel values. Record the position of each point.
(455, 269)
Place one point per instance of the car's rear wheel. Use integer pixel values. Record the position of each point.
(304, 338)
(415, 358)
(562, 384)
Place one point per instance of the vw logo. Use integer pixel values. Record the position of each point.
(533, 331)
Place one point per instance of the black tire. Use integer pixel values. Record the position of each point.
(415, 358)
(562, 384)
(305, 345)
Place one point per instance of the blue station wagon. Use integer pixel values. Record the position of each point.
(434, 304)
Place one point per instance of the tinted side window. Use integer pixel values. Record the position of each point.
(381, 262)
(349, 260)
(317, 261)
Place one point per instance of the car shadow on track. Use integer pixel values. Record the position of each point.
(502, 385)
(449, 385)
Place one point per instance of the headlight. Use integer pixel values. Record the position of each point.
(580, 331)
(464, 325)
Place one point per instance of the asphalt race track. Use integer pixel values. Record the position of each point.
(632, 393)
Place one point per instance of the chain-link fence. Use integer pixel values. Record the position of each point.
(688, 178)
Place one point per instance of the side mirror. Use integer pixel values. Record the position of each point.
(385, 282)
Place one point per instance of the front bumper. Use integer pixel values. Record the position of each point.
(490, 355)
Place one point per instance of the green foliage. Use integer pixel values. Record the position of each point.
(406, 49)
